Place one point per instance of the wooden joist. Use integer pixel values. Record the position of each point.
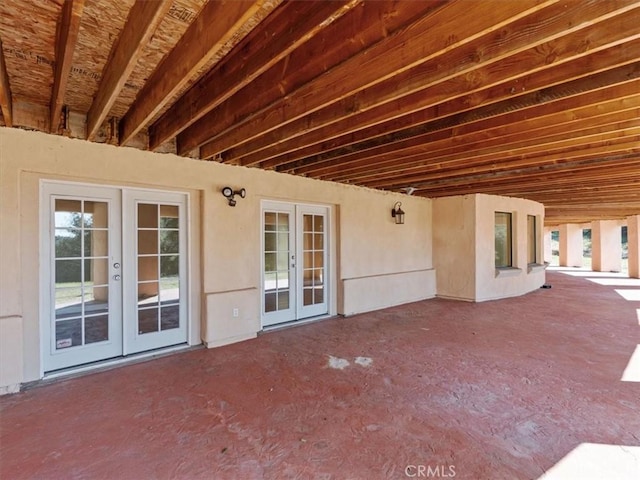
(216, 24)
(144, 18)
(6, 102)
(67, 36)
(264, 47)
(461, 72)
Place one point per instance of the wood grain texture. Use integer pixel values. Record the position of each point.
(143, 19)
(67, 37)
(216, 24)
(6, 102)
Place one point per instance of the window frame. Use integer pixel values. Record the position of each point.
(508, 242)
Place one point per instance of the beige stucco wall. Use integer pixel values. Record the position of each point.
(606, 246)
(464, 247)
(454, 230)
(489, 285)
(633, 238)
(370, 253)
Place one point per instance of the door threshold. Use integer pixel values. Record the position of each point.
(109, 364)
(295, 323)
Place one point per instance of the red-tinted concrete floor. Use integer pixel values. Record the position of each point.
(498, 390)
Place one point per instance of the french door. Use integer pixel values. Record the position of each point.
(294, 262)
(114, 275)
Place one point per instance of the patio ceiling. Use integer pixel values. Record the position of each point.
(534, 99)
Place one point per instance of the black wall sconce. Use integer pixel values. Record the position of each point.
(398, 213)
(229, 193)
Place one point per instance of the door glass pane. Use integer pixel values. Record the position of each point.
(68, 302)
(313, 260)
(147, 242)
(169, 317)
(270, 221)
(96, 329)
(96, 271)
(147, 268)
(96, 300)
(269, 241)
(147, 294)
(147, 320)
(282, 280)
(169, 266)
(283, 261)
(307, 296)
(68, 333)
(68, 213)
(276, 261)
(283, 222)
(68, 242)
(95, 243)
(68, 273)
(283, 299)
(95, 214)
(158, 259)
(169, 216)
(169, 241)
(169, 290)
(81, 272)
(147, 215)
(270, 301)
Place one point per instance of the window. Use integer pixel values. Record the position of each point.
(503, 240)
(531, 239)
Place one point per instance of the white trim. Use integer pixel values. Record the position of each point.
(113, 362)
(297, 210)
(45, 231)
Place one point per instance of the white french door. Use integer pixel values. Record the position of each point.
(294, 262)
(114, 272)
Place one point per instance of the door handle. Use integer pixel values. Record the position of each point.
(116, 265)
(116, 277)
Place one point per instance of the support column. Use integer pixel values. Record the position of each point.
(546, 242)
(570, 245)
(633, 237)
(606, 246)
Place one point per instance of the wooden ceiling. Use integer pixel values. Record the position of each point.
(537, 99)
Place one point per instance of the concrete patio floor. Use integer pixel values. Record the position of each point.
(523, 388)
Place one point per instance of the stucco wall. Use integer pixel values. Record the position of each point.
(454, 249)
(370, 252)
(464, 247)
(525, 279)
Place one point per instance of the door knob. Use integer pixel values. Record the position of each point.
(116, 277)
(116, 265)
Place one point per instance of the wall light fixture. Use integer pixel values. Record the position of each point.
(229, 193)
(398, 213)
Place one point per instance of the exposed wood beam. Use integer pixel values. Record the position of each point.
(517, 143)
(449, 141)
(66, 38)
(421, 41)
(266, 45)
(529, 70)
(618, 84)
(6, 103)
(214, 26)
(344, 38)
(144, 17)
(506, 162)
(539, 179)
